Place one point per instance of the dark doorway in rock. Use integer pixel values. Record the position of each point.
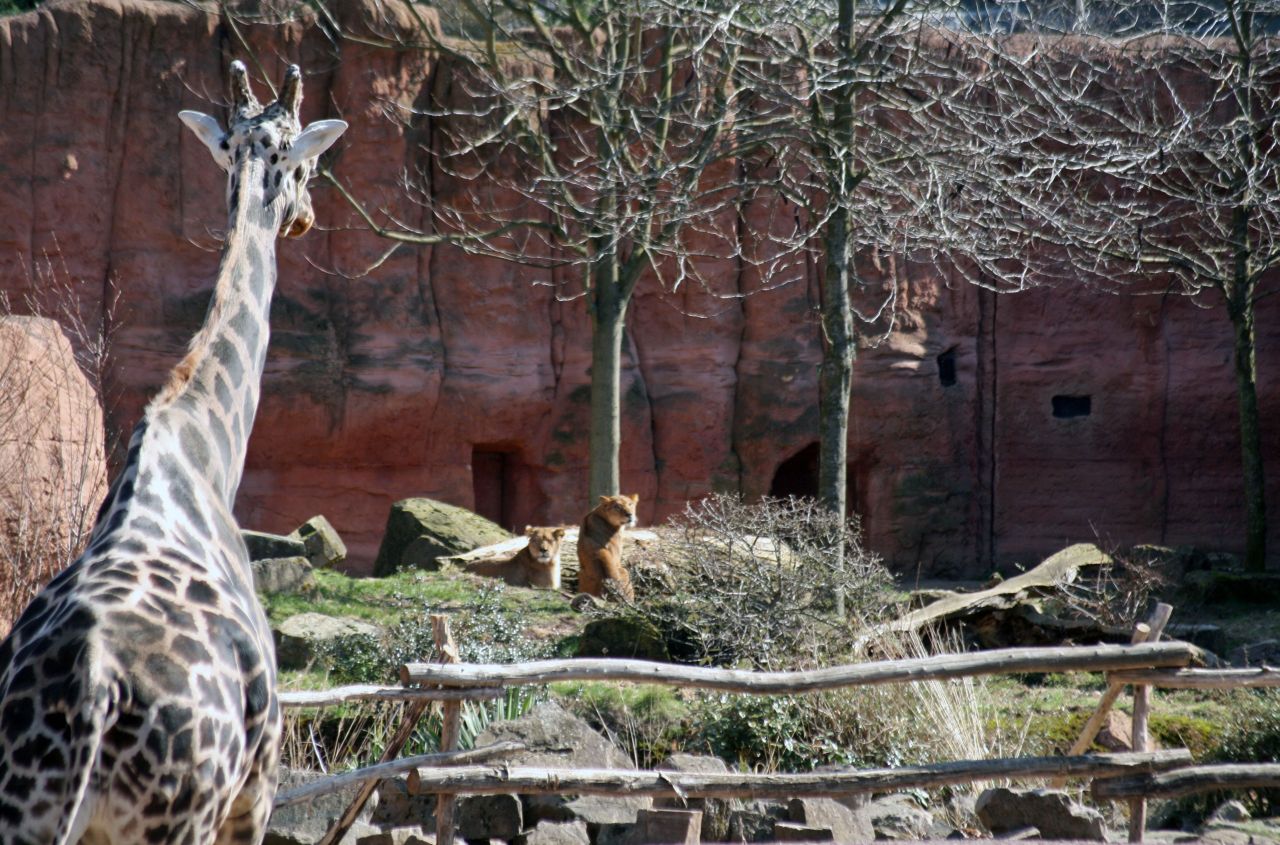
(493, 482)
(798, 476)
(947, 367)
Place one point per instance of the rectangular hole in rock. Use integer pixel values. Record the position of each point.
(1068, 407)
(947, 367)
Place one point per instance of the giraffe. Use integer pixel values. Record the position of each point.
(137, 690)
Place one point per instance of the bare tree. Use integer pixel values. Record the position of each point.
(860, 96)
(604, 119)
(1143, 154)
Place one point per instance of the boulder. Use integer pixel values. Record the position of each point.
(398, 807)
(715, 811)
(419, 531)
(845, 824)
(1053, 813)
(1256, 654)
(265, 546)
(1207, 636)
(413, 835)
(306, 823)
(753, 824)
(1230, 812)
(898, 816)
(53, 470)
(669, 827)
(283, 575)
(324, 548)
(622, 636)
(555, 833)
(489, 817)
(300, 638)
(555, 738)
(796, 832)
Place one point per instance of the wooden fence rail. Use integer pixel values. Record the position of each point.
(1133, 776)
(1190, 780)
(526, 780)
(1098, 658)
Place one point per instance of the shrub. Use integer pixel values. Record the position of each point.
(730, 582)
(485, 630)
(1251, 734)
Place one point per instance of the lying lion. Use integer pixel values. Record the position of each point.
(536, 565)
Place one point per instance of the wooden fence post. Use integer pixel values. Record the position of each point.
(1141, 710)
(412, 713)
(449, 728)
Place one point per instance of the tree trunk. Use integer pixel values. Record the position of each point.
(836, 376)
(608, 322)
(1255, 501)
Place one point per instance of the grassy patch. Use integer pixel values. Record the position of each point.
(389, 600)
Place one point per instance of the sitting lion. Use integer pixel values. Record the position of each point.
(536, 565)
(600, 546)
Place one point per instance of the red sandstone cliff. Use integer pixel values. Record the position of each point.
(451, 376)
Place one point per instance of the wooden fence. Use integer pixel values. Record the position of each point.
(1135, 776)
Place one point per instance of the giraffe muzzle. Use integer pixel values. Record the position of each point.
(299, 226)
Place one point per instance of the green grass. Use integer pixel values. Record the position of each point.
(386, 601)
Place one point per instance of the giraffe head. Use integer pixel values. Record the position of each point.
(274, 135)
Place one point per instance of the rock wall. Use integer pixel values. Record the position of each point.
(452, 376)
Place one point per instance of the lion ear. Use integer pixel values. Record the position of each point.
(559, 532)
(635, 498)
(604, 498)
(528, 529)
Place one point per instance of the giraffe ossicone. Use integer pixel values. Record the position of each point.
(138, 689)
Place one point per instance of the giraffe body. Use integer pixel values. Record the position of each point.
(137, 691)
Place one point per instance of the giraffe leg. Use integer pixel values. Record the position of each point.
(250, 812)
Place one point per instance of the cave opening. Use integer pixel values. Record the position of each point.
(493, 481)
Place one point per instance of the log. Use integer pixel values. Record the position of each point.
(1190, 780)
(1045, 578)
(382, 771)
(1260, 676)
(528, 780)
(374, 692)
(1098, 658)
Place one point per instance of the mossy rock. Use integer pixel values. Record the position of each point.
(421, 531)
(621, 636)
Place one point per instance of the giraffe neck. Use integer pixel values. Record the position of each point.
(208, 405)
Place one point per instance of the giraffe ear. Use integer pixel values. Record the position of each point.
(315, 139)
(209, 133)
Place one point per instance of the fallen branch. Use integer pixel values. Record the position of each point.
(1100, 658)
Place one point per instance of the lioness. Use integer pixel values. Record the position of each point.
(600, 546)
(536, 565)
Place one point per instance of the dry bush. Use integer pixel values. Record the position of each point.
(730, 582)
(50, 484)
(1118, 593)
